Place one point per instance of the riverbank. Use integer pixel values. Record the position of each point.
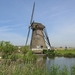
(33, 69)
(60, 53)
(65, 53)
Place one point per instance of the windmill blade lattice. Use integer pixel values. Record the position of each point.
(30, 23)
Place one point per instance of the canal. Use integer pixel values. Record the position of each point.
(57, 61)
(60, 61)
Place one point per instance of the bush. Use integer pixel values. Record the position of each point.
(24, 49)
(29, 57)
(7, 49)
(5, 56)
(51, 54)
(45, 51)
(69, 55)
(58, 54)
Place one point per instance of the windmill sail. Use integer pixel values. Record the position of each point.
(30, 23)
(39, 35)
(46, 37)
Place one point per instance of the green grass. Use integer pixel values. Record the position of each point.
(60, 53)
(33, 69)
(65, 51)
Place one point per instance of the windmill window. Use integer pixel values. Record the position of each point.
(41, 46)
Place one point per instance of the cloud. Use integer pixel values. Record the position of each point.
(59, 13)
(46, 12)
(12, 27)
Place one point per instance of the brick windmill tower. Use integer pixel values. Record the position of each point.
(39, 38)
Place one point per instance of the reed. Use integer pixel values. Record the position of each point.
(33, 69)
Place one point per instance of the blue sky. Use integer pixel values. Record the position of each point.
(57, 15)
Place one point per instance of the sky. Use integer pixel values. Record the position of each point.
(58, 16)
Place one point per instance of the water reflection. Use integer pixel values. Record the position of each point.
(60, 61)
(41, 61)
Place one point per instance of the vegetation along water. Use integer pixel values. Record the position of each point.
(24, 62)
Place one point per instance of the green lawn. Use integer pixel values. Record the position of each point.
(65, 51)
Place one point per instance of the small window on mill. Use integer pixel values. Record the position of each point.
(41, 46)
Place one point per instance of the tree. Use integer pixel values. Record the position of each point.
(7, 49)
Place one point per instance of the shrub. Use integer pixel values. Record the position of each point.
(24, 49)
(29, 57)
(69, 55)
(7, 48)
(45, 51)
(58, 54)
(51, 54)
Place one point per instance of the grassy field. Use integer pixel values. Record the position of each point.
(65, 51)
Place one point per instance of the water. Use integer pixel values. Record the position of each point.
(60, 61)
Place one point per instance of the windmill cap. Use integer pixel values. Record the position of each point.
(36, 25)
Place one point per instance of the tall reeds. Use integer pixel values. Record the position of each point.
(33, 69)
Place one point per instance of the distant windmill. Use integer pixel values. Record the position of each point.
(39, 35)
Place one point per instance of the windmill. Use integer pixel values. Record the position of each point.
(39, 38)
